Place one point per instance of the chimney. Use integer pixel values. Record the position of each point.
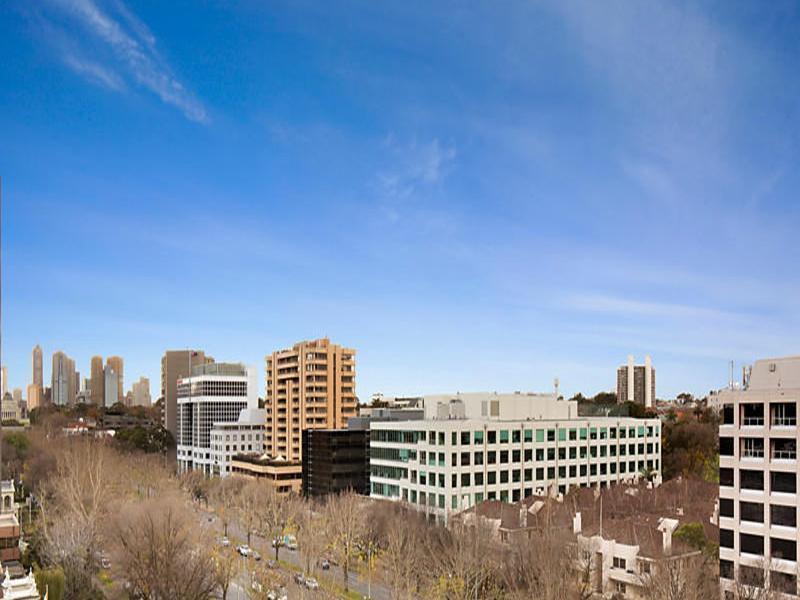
(576, 523)
(667, 527)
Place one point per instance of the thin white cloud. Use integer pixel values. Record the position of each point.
(625, 306)
(415, 165)
(95, 72)
(134, 48)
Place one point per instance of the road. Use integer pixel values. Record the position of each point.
(263, 547)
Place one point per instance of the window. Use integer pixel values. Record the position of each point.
(573, 435)
(528, 454)
(751, 544)
(620, 587)
(751, 576)
(783, 582)
(751, 511)
(727, 414)
(516, 456)
(529, 435)
(492, 479)
(782, 482)
(726, 538)
(465, 438)
(753, 448)
(540, 435)
(784, 449)
(504, 436)
(785, 516)
(491, 457)
(725, 569)
(785, 549)
(753, 414)
(492, 437)
(583, 433)
(478, 456)
(751, 480)
(441, 440)
(551, 435)
(503, 476)
(478, 437)
(465, 480)
(503, 457)
(515, 436)
(465, 459)
(725, 507)
(478, 478)
(784, 414)
(562, 435)
(726, 477)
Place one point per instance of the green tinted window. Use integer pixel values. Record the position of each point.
(562, 435)
(478, 437)
(540, 435)
(583, 433)
(504, 436)
(529, 435)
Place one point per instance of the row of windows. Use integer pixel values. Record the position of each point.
(754, 480)
(754, 577)
(754, 544)
(511, 476)
(503, 457)
(754, 512)
(514, 436)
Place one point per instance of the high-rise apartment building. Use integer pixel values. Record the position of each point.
(64, 380)
(311, 385)
(3, 381)
(215, 394)
(141, 392)
(37, 376)
(111, 386)
(34, 396)
(117, 364)
(177, 364)
(97, 385)
(758, 471)
(637, 383)
(474, 447)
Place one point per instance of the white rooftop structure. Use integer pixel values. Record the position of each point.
(498, 406)
(22, 588)
(775, 373)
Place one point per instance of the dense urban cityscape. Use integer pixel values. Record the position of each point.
(308, 491)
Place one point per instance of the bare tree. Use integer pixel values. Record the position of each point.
(276, 512)
(401, 557)
(344, 527)
(752, 582)
(74, 505)
(311, 544)
(464, 563)
(539, 566)
(224, 494)
(163, 555)
(249, 505)
(681, 578)
(226, 567)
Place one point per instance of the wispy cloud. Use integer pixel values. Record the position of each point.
(128, 47)
(626, 306)
(414, 165)
(94, 72)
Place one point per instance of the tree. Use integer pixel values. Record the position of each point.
(682, 578)
(310, 543)
(344, 526)
(401, 557)
(276, 512)
(224, 494)
(226, 567)
(538, 567)
(162, 554)
(74, 505)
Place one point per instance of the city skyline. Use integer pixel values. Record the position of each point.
(471, 199)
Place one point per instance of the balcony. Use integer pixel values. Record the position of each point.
(783, 414)
(753, 448)
(784, 449)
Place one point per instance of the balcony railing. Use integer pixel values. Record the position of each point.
(753, 453)
(753, 421)
(784, 454)
(784, 421)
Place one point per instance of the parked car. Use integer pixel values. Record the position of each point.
(255, 555)
(278, 594)
(325, 564)
(312, 584)
(244, 550)
(104, 563)
(299, 579)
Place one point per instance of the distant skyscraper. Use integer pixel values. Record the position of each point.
(308, 386)
(4, 382)
(97, 384)
(117, 365)
(35, 394)
(175, 364)
(141, 392)
(63, 387)
(111, 384)
(637, 383)
(37, 374)
(16, 394)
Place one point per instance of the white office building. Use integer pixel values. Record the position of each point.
(758, 481)
(474, 447)
(216, 393)
(244, 436)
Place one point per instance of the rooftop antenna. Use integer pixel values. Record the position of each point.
(730, 377)
(555, 384)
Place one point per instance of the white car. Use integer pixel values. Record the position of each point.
(225, 542)
(312, 584)
(244, 550)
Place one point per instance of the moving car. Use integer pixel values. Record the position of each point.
(312, 584)
(244, 550)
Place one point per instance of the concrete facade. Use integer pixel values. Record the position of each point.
(308, 386)
(245, 436)
(758, 480)
(525, 444)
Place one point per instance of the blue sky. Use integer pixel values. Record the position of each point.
(474, 198)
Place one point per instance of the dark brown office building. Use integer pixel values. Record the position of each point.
(335, 460)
